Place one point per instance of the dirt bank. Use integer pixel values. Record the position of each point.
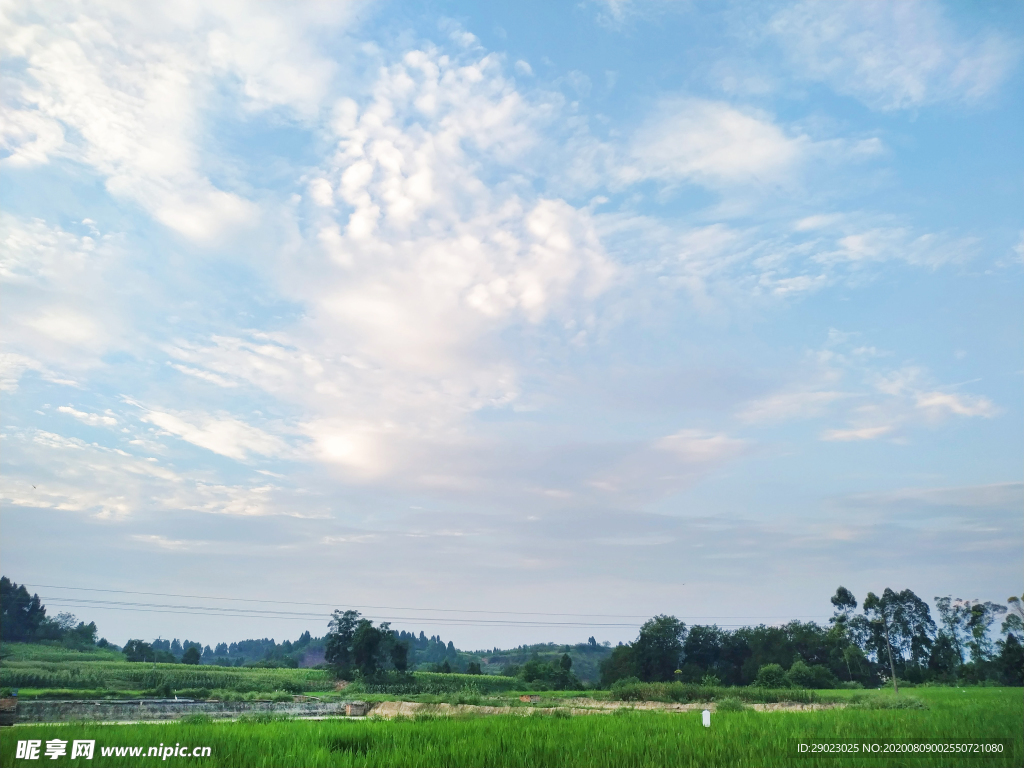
(578, 706)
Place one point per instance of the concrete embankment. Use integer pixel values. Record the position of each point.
(128, 710)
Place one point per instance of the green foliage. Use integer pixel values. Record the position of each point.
(191, 656)
(637, 690)
(137, 650)
(122, 675)
(731, 704)
(802, 675)
(887, 701)
(22, 616)
(1011, 661)
(657, 651)
(771, 676)
(618, 666)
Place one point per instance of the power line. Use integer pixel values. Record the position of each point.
(395, 608)
(268, 614)
(308, 617)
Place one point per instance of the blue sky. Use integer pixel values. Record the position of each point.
(601, 308)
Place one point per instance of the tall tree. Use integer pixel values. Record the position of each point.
(907, 624)
(659, 648)
(980, 618)
(953, 614)
(845, 604)
(21, 614)
(1014, 622)
(880, 612)
(338, 641)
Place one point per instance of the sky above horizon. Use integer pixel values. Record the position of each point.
(605, 308)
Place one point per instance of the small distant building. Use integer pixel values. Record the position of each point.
(356, 709)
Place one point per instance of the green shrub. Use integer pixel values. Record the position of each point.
(730, 704)
(279, 697)
(803, 675)
(771, 676)
(886, 701)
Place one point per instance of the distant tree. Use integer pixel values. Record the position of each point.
(906, 624)
(657, 651)
(565, 662)
(618, 666)
(953, 615)
(845, 604)
(366, 646)
(221, 649)
(338, 642)
(945, 659)
(881, 613)
(445, 667)
(473, 668)
(1011, 661)
(137, 650)
(980, 618)
(191, 656)
(400, 655)
(592, 642)
(703, 647)
(21, 614)
(1014, 622)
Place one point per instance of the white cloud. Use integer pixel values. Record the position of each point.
(942, 403)
(224, 435)
(892, 55)
(846, 381)
(861, 433)
(72, 475)
(714, 144)
(63, 310)
(13, 366)
(898, 243)
(121, 88)
(785, 406)
(92, 419)
(213, 378)
(696, 447)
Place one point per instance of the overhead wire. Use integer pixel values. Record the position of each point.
(255, 612)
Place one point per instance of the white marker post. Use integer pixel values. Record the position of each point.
(705, 717)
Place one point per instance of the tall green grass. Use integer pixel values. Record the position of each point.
(687, 692)
(627, 738)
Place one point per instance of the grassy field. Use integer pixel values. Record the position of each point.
(627, 738)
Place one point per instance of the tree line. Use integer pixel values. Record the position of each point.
(23, 619)
(893, 638)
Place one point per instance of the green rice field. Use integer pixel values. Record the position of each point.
(625, 738)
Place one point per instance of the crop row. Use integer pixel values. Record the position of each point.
(147, 676)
